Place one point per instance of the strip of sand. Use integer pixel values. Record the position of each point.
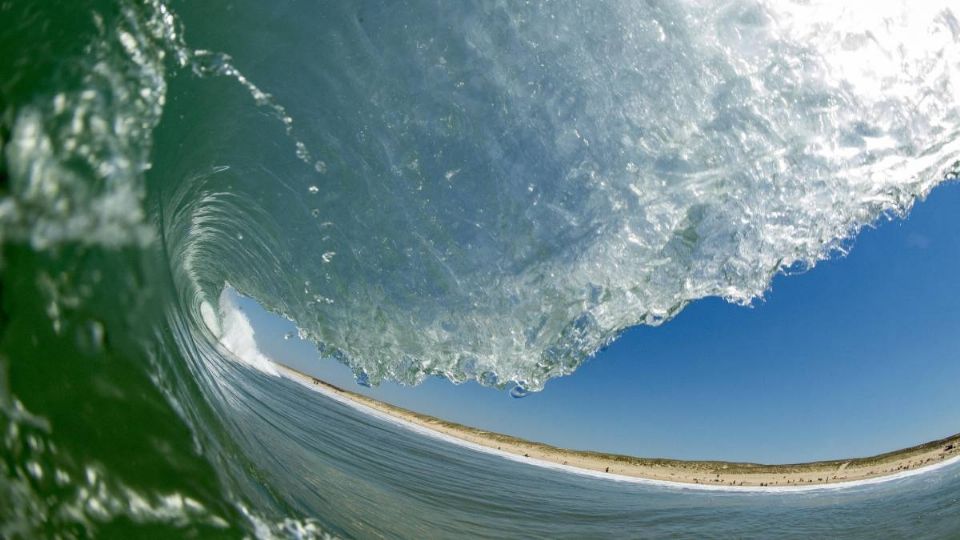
(703, 474)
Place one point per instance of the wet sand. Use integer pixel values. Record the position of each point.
(698, 473)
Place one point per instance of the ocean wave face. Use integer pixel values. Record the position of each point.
(487, 192)
(494, 192)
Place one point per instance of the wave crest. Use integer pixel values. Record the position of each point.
(520, 185)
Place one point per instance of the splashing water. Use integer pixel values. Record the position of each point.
(488, 192)
(522, 184)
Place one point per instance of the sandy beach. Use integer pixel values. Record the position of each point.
(695, 473)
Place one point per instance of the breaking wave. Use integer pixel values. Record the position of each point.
(489, 192)
(497, 194)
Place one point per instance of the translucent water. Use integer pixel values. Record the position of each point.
(484, 192)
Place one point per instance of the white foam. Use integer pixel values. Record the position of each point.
(236, 333)
(301, 379)
(210, 318)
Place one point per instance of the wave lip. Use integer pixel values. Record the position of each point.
(636, 158)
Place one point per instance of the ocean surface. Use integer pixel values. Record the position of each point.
(487, 192)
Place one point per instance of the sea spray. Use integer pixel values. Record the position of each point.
(507, 188)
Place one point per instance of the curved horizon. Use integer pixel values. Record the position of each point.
(714, 353)
(731, 475)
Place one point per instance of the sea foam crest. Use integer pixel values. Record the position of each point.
(235, 333)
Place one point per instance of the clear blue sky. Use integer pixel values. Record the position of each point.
(859, 355)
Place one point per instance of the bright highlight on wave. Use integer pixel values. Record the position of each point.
(235, 333)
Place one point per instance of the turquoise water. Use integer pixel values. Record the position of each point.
(488, 192)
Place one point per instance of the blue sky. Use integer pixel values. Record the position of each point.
(858, 356)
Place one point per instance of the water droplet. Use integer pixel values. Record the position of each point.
(90, 337)
(302, 151)
(519, 392)
(313, 190)
(96, 332)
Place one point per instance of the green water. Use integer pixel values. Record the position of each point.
(483, 192)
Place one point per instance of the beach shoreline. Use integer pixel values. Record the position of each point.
(712, 475)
